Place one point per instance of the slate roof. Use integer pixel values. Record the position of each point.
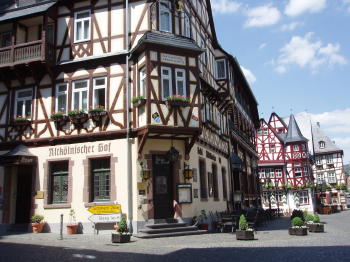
(294, 134)
(25, 11)
(319, 135)
(168, 39)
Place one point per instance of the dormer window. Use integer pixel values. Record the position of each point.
(220, 69)
(165, 16)
(322, 144)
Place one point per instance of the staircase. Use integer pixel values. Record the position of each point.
(168, 228)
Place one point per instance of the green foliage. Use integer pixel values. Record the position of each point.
(177, 98)
(297, 213)
(309, 218)
(97, 109)
(56, 115)
(134, 100)
(72, 216)
(289, 186)
(76, 112)
(243, 224)
(123, 226)
(37, 218)
(316, 218)
(21, 119)
(297, 222)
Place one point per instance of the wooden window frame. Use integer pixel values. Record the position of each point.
(203, 179)
(24, 99)
(82, 20)
(60, 93)
(52, 174)
(304, 195)
(224, 183)
(278, 174)
(224, 75)
(169, 78)
(95, 87)
(186, 25)
(142, 82)
(183, 78)
(92, 179)
(80, 94)
(165, 10)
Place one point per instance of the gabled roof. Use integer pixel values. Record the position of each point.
(318, 135)
(294, 134)
(281, 137)
(280, 119)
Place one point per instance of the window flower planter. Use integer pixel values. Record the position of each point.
(97, 115)
(59, 119)
(21, 123)
(244, 234)
(177, 101)
(78, 118)
(138, 101)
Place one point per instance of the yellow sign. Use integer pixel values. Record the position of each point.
(142, 185)
(105, 209)
(39, 195)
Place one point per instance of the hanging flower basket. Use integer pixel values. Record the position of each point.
(21, 121)
(78, 118)
(60, 119)
(97, 114)
(177, 101)
(138, 101)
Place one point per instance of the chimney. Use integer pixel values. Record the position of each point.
(318, 124)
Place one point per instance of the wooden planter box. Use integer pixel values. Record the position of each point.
(139, 103)
(244, 235)
(119, 238)
(316, 228)
(60, 121)
(78, 120)
(97, 116)
(177, 103)
(298, 231)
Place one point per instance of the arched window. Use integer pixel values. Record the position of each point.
(322, 144)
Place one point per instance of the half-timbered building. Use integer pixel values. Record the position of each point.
(284, 165)
(115, 101)
(328, 169)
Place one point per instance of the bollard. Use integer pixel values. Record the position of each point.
(61, 228)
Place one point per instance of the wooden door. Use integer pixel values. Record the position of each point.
(162, 187)
(24, 194)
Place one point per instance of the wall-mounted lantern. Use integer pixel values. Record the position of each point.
(145, 172)
(173, 154)
(188, 173)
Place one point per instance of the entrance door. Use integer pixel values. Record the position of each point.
(24, 194)
(162, 187)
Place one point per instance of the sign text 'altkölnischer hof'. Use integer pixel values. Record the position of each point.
(79, 149)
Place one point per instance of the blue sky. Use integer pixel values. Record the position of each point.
(296, 57)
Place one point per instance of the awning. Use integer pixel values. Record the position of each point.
(20, 155)
(25, 11)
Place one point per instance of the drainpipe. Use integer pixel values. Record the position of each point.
(128, 141)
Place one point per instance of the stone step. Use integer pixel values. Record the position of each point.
(19, 228)
(166, 225)
(168, 229)
(171, 234)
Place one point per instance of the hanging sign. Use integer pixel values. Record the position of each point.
(105, 218)
(110, 209)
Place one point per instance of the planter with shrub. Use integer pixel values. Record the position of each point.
(96, 114)
(315, 226)
(244, 232)
(72, 227)
(38, 223)
(60, 119)
(122, 235)
(138, 101)
(177, 101)
(78, 118)
(298, 228)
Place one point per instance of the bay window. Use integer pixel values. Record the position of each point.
(165, 16)
(82, 26)
(80, 95)
(61, 98)
(99, 98)
(24, 103)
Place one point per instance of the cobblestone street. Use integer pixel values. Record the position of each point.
(272, 243)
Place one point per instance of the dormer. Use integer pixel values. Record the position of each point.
(322, 144)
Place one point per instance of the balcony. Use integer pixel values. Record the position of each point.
(26, 53)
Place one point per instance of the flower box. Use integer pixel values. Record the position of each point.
(177, 103)
(120, 238)
(244, 234)
(138, 101)
(60, 120)
(20, 122)
(316, 228)
(97, 115)
(78, 118)
(298, 231)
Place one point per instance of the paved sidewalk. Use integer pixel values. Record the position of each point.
(273, 242)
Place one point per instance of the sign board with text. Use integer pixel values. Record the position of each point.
(110, 209)
(105, 218)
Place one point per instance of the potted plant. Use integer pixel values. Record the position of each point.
(60, 119)
(38, 223)
(177, 100)
(21, 121)
(298, 228)
(122, 235)
(315, 226)
(78, 118)
(244, 232)
(138, 101)
(96, 114)
(72, 227)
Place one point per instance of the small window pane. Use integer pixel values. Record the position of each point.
(166, 90)
(84, 101)
(62, 103)
(81, 84)
(76, 101)
(83, 15)
(100, 82)
(86, 29)
(22, 94)
(28, 107)
(99, 97)
(20, 108)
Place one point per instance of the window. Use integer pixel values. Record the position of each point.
(296, 147)
(100, 179)
(203, 180)
(322, 144)
(331, 178)
(270, 173)
(80, 95)
(265, 131)
(266, 197)
(319, 160)
(280, 130)
(279, 196)
(278, 172)
(99, 92)
(329, 159)
(203, 56)
(221, 69)
(61, 98)
(24, 103)
(259, 131)
(303, 147)
(186, 29)
(5, 39)
(180, 77)
(224, 183)
(262, 173)
(304, 198)
(166, 82)
(297, 172)
(165, 16)
(320, 178)
(59, 182)
(82, 26)
(306, 171)
(272, 149)
(142, 82)
(215, 182)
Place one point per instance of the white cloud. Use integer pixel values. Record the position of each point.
(346, 3)
(225, 6)
(335, 124)
(260, 16)
(290, 26)
(298, 7)
(307, 52)
(262, 46)
(249, 75)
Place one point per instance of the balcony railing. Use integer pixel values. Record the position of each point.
(25, 53)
